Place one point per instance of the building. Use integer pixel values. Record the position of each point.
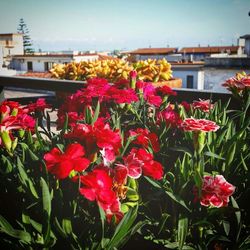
(200, 53)
(41, 62)
(244, 41)
(10, 44)
(151, 53)
(192, 74)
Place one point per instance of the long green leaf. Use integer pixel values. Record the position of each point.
(177, 199)
(182, 231)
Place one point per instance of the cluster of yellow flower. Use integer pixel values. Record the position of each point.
(153, 70)
(114, 70)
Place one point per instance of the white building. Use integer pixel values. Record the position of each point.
(43, 62)
(192, 74)
(10, 44)
(200, 53)
(244, 41)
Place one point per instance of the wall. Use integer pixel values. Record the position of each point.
(12, 44)
(38, 62)
(1, 57)
(228, 62)
(88, 58)
(214, 77)
(183, 75)
(247, 47)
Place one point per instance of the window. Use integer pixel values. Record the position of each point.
(190, 82)
(30, 66)
(48, 66)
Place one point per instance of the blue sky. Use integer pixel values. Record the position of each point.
(127, 24)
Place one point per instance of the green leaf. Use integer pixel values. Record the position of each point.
(25, 180)
(7, 164)
(59, 228)
(182, 231)
(67, 226)
(164, 218)
(5, 227)
(123, 228)
(33, 156)
(177, 199)
(226, 226)
(96, 114)
(213, 155)
(182, 149)
(230, 154)
(45, 197)
(153, 182)
(38, 136)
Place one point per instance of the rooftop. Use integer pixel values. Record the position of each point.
(153, 51)
(11, 34)
(209, 50)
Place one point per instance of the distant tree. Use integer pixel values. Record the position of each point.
(27, 42)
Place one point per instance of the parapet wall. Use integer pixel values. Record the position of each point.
(227, 62)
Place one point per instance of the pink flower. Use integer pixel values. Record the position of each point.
(216, 191)
(203, 105)
(150, 96)
(61, 164)
(171, 118)
(192, 124)
(238, 83)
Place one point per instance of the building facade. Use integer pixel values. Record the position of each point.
(200, 53)
(10, 44)
(244, 41)
(192, 75)
(44, 62)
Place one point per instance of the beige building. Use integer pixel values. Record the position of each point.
(10, 44)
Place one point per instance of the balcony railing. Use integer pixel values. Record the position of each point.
(23, 83)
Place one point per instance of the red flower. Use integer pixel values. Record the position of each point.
(97, 136)
(39, 105)
(133, 164)
(165, 90)
(140, 161)
(192, 124)
(121, 95)
(186, 105)
(98, 186)
(150, 167)
(144, 138)
(216, 191)
(120, 174)
(203, 105)
(61, 164)
(133, 74)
